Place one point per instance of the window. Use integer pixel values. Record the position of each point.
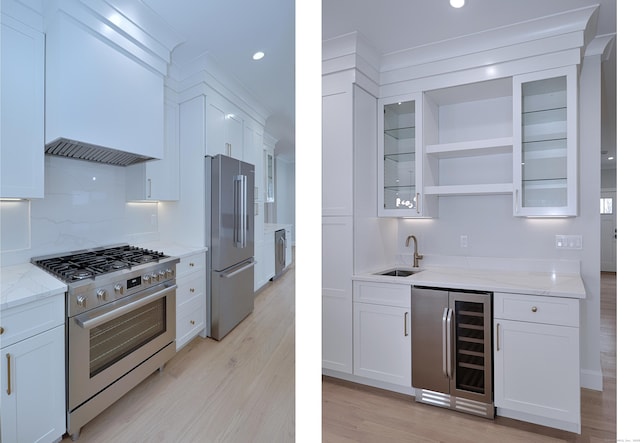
(606, 205)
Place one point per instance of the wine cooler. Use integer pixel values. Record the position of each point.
(451, 349)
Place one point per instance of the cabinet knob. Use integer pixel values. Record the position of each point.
(534, 309)
(1, 330)
(192, 290)
(192, 322)
(191, 264)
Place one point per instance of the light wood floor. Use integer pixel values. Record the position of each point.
(240, 389)
(355, 413)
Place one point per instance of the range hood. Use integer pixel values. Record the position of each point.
(104, 81)
(85, 151)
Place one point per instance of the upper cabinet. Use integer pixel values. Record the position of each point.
(269, 170)
(545, 143)
(400, 156)
(224, 129)
(22, 147)
(158, 179)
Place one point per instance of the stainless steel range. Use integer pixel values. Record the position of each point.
(120, 327)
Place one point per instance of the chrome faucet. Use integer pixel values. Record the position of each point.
(416, 256)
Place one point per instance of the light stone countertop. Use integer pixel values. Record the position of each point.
(550, 284)
(24, 283)
(172, 249)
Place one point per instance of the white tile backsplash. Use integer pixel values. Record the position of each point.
(84, 207)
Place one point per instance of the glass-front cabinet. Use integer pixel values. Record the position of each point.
(400, 156)
(545, 143)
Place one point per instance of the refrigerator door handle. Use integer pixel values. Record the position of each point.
(445, 348)
(240, 211)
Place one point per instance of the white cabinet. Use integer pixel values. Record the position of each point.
(537, 359)
(22, 146)
(400, 156)
(190, 298)
(224, 128)
(33, 371)
(381, 332)
(337, 300)
(468, 140)
(545, 143)
(158, 179)
(288, 246)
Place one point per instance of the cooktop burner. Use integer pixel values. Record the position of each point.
(85, 264)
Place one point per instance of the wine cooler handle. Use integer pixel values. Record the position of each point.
(444, 342)
(449, 343)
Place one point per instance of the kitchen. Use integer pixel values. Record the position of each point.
(451, 110)
(125, 83)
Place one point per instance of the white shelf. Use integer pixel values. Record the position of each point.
(475, 189)
(502, 145)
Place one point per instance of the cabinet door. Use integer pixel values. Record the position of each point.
(234, 136)
(537, 369)
(33, 388)
(400, 156)
(158, 179)
(382, 343)
(22, 153)
(337, 300)
(545, 143)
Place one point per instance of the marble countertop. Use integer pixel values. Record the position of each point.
(172, 249)
(550, 284)
(24, 283)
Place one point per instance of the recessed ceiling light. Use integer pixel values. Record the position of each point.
(258, 55)
(456, 3)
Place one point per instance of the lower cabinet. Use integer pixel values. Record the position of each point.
(190, 298)
(33, 373)
(537, 359)
(382, 332)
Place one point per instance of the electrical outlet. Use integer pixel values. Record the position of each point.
(568, 242)
(464, 241)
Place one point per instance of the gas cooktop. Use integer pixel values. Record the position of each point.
(90, 263)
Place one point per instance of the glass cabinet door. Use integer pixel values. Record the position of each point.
(545, 143)
(400, 168)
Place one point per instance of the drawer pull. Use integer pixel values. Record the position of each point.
(405, 324)
(498, 336)
(191, 264)
(534, 309)
(192, 322)
(1, 330)
(192, 290)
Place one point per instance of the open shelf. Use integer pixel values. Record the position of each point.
(502, 145)
(476, 189)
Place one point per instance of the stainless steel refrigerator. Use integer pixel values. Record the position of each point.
(230, 242)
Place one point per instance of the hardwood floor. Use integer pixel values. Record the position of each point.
(356, 413)
(240, 389)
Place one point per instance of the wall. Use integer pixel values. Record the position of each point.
(286, 194)
(84, 207)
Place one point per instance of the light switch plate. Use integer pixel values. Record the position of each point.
(568, 241)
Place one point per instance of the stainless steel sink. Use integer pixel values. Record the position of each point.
(396, 272)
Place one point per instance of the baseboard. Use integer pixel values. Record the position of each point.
(591, 379)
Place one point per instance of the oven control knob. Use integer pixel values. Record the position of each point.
(154, 276)
(146, 278)
(119, 289)
(169, 272)
(102, 295)
(81, 301)
(162, 274)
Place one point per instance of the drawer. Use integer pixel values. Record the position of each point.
(387, 294)
(537, 309)
(191, 263)
(189, 320)
(32, 318)
(189, 287)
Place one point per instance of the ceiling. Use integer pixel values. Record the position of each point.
(231, 32)
(391, 26)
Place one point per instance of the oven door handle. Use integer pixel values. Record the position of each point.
(96, 320)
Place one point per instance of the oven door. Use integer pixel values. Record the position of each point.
(107, 342)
